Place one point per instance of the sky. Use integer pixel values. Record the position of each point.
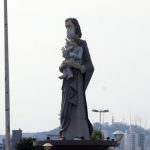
(117, 33)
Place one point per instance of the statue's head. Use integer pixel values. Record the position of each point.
(73, 28)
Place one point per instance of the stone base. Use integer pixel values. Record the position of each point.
(76, 145)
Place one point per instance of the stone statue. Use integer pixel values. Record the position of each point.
(74, 115)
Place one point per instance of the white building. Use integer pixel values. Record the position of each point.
(133, 140)
(129, 140)
(139, 141)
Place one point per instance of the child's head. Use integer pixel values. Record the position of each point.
(70, 42)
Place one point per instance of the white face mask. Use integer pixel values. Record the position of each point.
(70, 33)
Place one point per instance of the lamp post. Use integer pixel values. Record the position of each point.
(47, 146)
(100, 112)
(7, 101)
(118, 137)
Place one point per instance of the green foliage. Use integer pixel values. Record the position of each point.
(25, 144)
(97, 135)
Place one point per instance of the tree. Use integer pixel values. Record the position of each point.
(97, 135)
(25, 144)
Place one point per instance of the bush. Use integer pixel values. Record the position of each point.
(97, 135)
(25, 144)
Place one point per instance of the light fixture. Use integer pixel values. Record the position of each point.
(118, 135)
(47, 146)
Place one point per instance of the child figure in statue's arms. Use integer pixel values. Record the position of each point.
(72, 53)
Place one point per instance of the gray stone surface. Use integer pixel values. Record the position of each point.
(74, 115)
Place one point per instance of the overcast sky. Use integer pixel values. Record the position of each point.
(118, 36)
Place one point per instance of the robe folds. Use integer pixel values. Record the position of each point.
(74, 120)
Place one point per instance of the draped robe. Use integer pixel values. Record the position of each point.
(74, 120)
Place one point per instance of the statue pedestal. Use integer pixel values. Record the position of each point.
(76, 145)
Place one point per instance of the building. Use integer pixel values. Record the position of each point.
(3, 144)
(105, 133)
(129, 140)
(133, 140)
(16, 137)
(139, 141)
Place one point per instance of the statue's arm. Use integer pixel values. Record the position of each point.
(72, 63)
(79, 53)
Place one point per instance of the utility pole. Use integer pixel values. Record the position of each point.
(7, 97)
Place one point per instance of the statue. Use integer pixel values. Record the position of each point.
(77, 69)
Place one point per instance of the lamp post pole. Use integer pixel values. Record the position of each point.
(100, 127)
(7, 102)
(100, 112)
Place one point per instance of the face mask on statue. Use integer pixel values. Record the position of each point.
(70, 33)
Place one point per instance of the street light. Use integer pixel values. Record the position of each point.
(118, 137)
(7, 96)
(47, 146)
(100, 111)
